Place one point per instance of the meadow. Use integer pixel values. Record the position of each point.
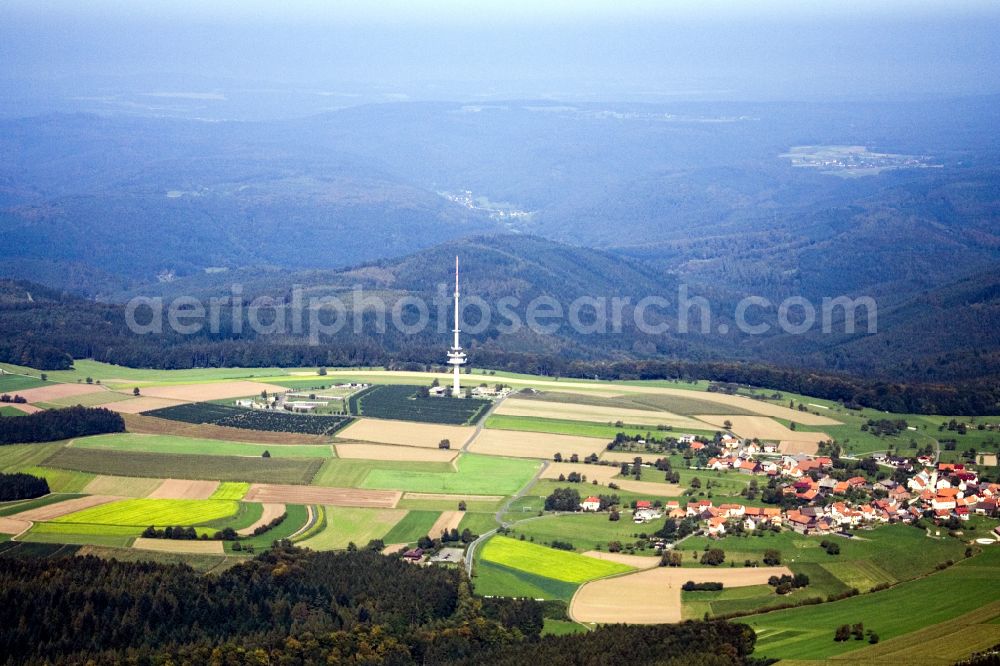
(411, 527)
(11, 411)
(807, 632)
(586, 531)
(193, 446)
(349, 525)
(559, 565)
(231, 490)
(492, 579)
(13, 383)
(475, 475)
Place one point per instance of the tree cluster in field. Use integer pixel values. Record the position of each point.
(856, 631)
(884, 427)
(713, 557)
(16, 399)
(182, 533)
(54, 424)
(302, 607)
(260, 529)
(21, 486)
(784, 583)
(831, 547)
(692, 586)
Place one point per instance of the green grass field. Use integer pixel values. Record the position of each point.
(564, 427)
(39, 535)
(885, 554)
(159, 512)
(413, 525)
(807, 632)
(476, 475)
(14, 383)
(231, 490)
(548, 562)
(171, 444)
(61, 480)
(179, 466)
(478, 523)
(496, 580)
(586, 531)
(11, 411)
(351, 525)
(350, 473)
(296, 519)
(17, 457)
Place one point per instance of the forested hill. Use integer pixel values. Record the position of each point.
(299, 607)
(915, 363)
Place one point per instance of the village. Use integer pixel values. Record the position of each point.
(811, 496)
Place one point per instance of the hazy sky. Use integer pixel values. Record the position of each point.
(736, 49)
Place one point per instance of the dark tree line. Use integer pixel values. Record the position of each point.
(290, 606)
(49, 333)
(21, 486)
(55, 424)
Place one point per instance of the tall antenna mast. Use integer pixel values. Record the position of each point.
(456, 357)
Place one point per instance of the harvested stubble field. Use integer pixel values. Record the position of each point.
(219, 468)
(406, 433)
(560, 565)
(534, 444)
(365, 451)
(790, 447)
(593, 413)
(454, 498)
(51, 392)
(447, 521)
(651, 488)
(143, 423)
(763, 427)
(205, 392)
(654, 596)
(185, 489)
(602, 473)
(289, 494)
(123, 486)
(53, 511)
(179, 546)
(637, 561)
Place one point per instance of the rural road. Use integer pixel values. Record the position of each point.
(481, 424)
(470, 552)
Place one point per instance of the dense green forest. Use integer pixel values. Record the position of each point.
(54, 424)
(295, 606)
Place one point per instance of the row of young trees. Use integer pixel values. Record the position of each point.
(54, 424)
